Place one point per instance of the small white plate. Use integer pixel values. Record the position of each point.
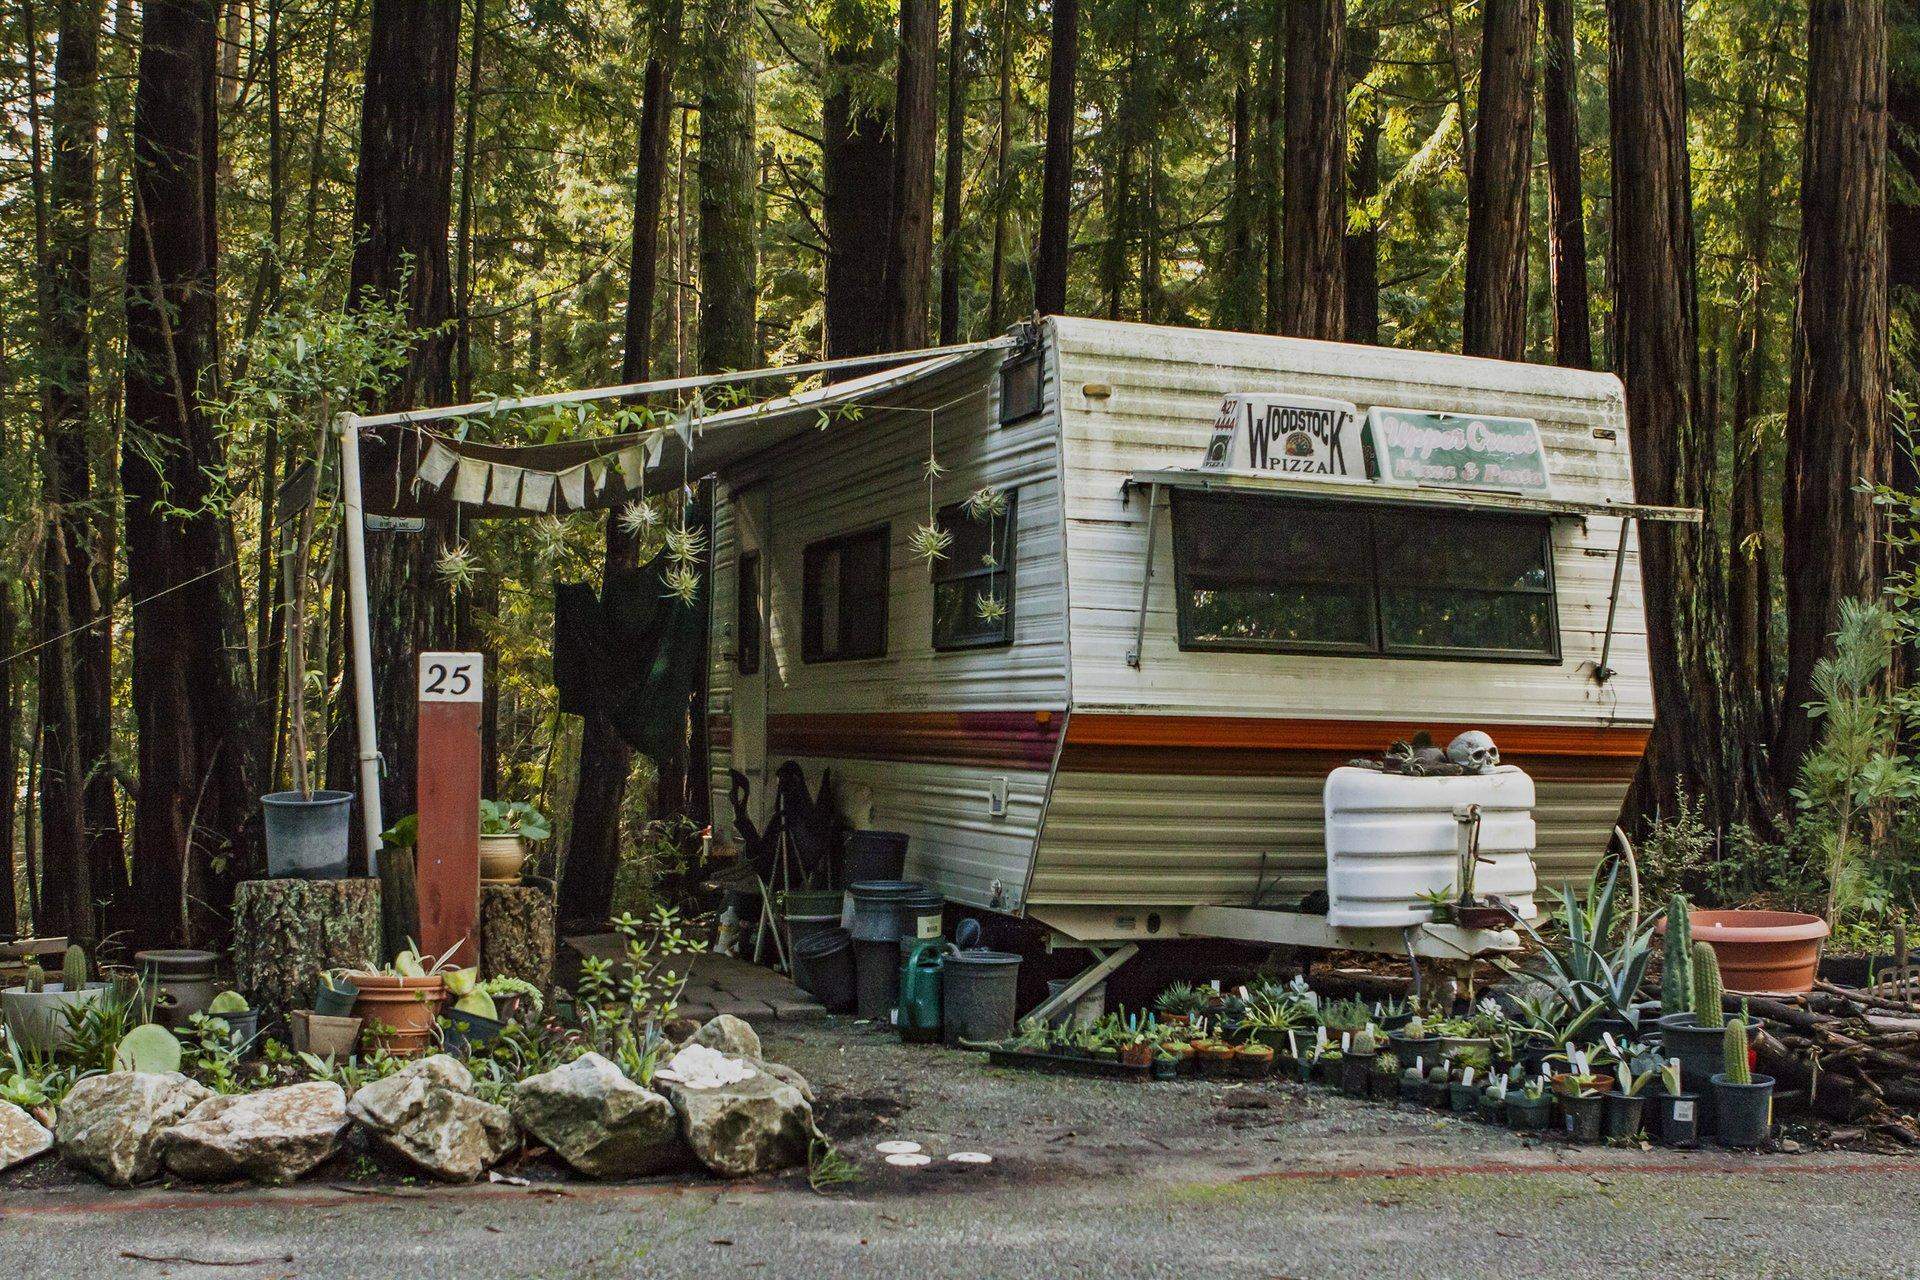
(970, 1157)
(897, 1147)
(909, 1159)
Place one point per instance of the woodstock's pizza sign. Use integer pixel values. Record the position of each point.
(1295, 435)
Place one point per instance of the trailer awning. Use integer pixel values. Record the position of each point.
(1266, 482)
(413, 466)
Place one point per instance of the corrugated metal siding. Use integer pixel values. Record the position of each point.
(1126, 839)
(854, 476)
(1134, 839)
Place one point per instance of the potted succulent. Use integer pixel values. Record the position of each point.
(1214, 1058)
(1529, 1110)
(1253, 1060)
(1438, 1082)
(506, 828)
(1413, 1083)
(513, 996)
(39, 1014)
(1136, 1042)
(1178, 1003)
(1492, 1107)
(1698, 1037)
(1459, 1035)
(1463, 1095)
(1327, 1065)
(334, 994)
(1582, 1103)
(1624, 1108)
(1742, 1100)
(1676, 1113)
(1385, 1085)
(241, 1018)
(1356, 1068)
(1392, 1013)
(1345, 1018)
(1269, 1020)
(399, 1003)
(1413, 1041)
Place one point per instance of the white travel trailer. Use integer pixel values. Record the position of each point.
(1185, 575)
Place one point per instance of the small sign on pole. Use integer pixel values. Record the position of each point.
(450, 689)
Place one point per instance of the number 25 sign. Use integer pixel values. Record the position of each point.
(450, 677)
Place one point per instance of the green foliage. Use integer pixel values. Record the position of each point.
(513, 818)
(148, 1047)
(1596, 959)
(227, 1002)
(1736, 1066)
(624, 1002)
(73, 969)
(1707, 1008)
(1676, 959)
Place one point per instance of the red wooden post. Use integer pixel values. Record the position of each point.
(447, 769)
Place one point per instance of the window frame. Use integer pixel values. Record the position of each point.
(1013, 368)
(809, 627)
(1381, 647)
(748, 609)
(938, 576)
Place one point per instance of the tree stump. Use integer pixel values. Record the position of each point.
(286, 931)
(399, 906)
(516, 933)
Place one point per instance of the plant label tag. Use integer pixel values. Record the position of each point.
(1683, 1110)
(1346, 1041)
(451, 677)
(1466, 1076)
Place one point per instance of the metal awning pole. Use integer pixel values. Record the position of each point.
(1601, 671)
(1138, 652)
(361, 631)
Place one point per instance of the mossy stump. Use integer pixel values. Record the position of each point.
(516, 933)
(286, 931)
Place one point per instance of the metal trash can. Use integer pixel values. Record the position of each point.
(977, 995)
(876, 936)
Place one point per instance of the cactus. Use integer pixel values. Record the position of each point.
(1706, 987)
(73, 970)
(148, 1047)
(1737, 1071)
(1676, 959)
(35, 978)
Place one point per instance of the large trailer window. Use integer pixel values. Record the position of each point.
(1279, 575)
(973, 581)
(843, 597)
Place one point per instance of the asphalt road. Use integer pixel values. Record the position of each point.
(1088, 1178)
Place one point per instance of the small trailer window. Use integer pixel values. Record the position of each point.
(973, 581)
(843, 597)
(746, 615)
(1279, 575)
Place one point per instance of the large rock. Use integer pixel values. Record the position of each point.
(21, 1137)
(746, 1127)
(729, 1035)
(598, 1121)
(110, 1124)
(274, 1136)
(426, 1114)
(787, 1075)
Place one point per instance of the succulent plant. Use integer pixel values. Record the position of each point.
(148, 1047)
(34, 978)
(1706, 987)
(73, 969)
(1736, 1068)
(1676, 959)
(227, 1002)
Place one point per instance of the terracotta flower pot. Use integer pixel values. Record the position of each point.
(1762, 952)
(501, 858)
(397, 1014)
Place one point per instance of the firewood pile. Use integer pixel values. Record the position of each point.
(1849, 1057)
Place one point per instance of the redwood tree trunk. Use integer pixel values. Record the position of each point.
(402, 207)
(909, 260)
(1363, 177)
(1056, 193)
(593, 846)
(192, 694)
(857, 174)
(955, 172)
(1313, 267)
(1495, 319)
(728, 253)
(1566, 225)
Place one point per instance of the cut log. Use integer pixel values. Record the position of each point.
(516, 933)
(285, 932)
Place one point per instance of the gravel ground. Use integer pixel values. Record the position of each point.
(1088, 1178)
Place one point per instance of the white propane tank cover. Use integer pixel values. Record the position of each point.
(1391, 838)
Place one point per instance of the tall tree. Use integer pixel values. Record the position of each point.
(1241, 269)
(198, 739)
(1056, 192)
(1363, 182)
(1273, 107)
(1495, 320)
(1837, 428)
(1002, 144)
(1313, 267)
(729, 253)
(606, 761)
(1701, 729)
(909, 260)
(1566, 223)
(402, 209)
(856, 148)
(9, 759)
(955, 173)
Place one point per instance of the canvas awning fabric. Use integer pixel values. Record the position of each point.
(410, 470)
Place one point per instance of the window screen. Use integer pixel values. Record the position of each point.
(843, 597)
(973, 581)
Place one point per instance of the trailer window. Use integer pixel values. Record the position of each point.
(1279, 575)
(843, 597)
(973, 581)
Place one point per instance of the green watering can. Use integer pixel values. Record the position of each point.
(918, 1014)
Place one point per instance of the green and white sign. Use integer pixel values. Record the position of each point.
(1457, 451)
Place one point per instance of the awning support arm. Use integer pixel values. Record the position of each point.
(360, 629)
(1146, 576)
(1601, 671)
(1085, 981)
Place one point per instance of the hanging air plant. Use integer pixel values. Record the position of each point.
(682, 583)
(550, 540)
(685, 546)
(986, 504)
(457, 566)
(990, 608)
(930, 542)
(638, 516)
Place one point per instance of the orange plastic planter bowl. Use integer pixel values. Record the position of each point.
(1763, 952)
(397, 1013)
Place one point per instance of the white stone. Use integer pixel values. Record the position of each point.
(275, 1136)
(110, 1124)
(598, 1121)
(425, 1114)
(21, 1136)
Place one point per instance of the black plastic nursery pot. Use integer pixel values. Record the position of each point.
(1434, 1095)
(1464, 1098)
(1743, 1113)
(1582, 1118)
(1412, 1088)
(1676, 1119)
(1409, 1048)
(1356, 1074)
(1327, 1070)
(1702, 1054)
(1491, 1108)
(1529, 1115)
(1385, 1086)
(1623, 1114)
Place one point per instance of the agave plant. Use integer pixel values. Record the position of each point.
(1587, 967)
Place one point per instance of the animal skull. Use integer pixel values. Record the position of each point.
(1474, 751)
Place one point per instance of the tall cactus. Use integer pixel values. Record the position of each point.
(1735, 1067)
(73, 969)
(1706, 987)
(1676, 959)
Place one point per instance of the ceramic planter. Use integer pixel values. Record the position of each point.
(1762, 952)
(1676, 1119)
(1622, 1114)
(1454, 1046)
(1582, 1117)
(185, 977)
(397, 1014)
(1528, 1115)
(38, 1020)
(1743, 1113)
(501, 858)
(1254, 1062)
(323, 1035)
